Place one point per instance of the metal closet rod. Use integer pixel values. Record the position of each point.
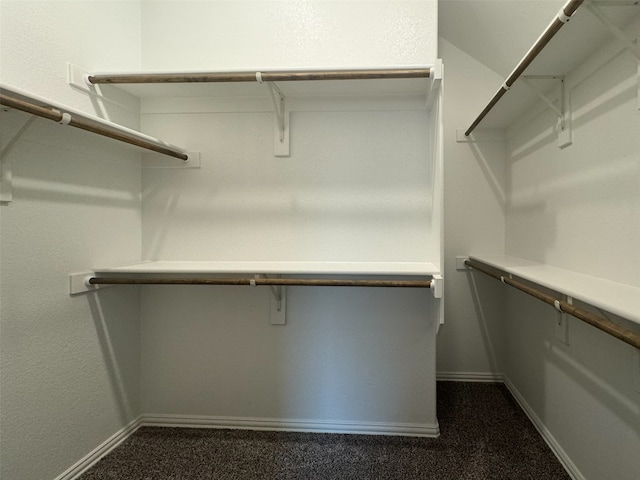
(88, 125)
(283, 282)
(562, 18)
(264, 76)
(627, 336)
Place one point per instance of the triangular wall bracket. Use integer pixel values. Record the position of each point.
(562, 109)
(631, 44)
(281, 141)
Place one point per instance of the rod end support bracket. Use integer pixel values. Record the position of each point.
(437, 286)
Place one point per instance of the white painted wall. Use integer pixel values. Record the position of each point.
(246, 34)
(39, 38)
(358, 186)
(70, 371)
(579, 208)
(470, 341)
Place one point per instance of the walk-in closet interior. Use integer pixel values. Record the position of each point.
(301, 214)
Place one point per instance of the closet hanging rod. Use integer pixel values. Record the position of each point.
(273, 76)
(94, 126)
(627, 336)
(562, 18)
(282, 282)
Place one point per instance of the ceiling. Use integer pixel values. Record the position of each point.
(497, 33)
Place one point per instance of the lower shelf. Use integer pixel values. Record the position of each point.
(617, 298)
(351, 274)
(278, 268)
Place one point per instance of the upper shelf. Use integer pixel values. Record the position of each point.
(282, 268)
(413, 274)
(617, 298)
(411, 80)
(561, 48)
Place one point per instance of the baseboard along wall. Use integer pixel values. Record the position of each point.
(416, 430)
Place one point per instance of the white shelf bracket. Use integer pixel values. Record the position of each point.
(79, 283)
(6, 168)
(437, 286)
(629, 43)
(562, 110)
(278, 311)
(281, 142)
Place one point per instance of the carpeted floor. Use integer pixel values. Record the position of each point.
(484, 435)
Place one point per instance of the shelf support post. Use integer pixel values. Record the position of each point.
(628, 43)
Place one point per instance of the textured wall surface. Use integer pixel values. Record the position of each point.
(39, 38)
(357, 187)
(579, 208)
(285, 34)
(470, 342)
(69, 365)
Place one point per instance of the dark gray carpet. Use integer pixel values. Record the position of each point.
(484, 435)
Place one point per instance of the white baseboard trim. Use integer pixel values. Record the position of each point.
(488, 377)
(555, 447)
(375, 428)
(273, 424)
(103, 449)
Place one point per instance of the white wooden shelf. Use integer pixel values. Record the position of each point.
(416, 82)
(19, 99)
(385, 85)
(617, 298)
(568, 48)
(395, 274)
(279, 268)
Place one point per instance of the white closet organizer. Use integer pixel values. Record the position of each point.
(579, 28)
(281, 92)
(398, 274)
(223, 87)
(559, 50)
(616, 298)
